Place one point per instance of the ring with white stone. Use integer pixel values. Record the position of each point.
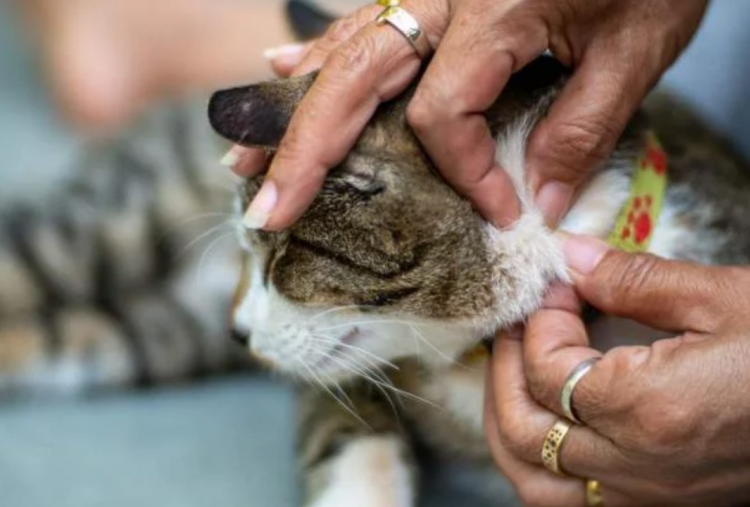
(407, 25)
(566, 398)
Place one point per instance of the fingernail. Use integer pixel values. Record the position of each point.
(285, 50)
(259, 211)
(230, 159)
(553, 200)
(583, 253)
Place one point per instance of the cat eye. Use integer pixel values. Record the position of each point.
(364, 183)
(387, 298)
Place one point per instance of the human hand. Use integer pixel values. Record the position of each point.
(107, 60)
(666, 424)
(618, 48)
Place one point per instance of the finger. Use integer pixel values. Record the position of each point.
(556, 341)
(533, 485)
(373, 66)
(285, 59)
(244, 161)
(447, 111)
(523, 424)
(666, 295)
(583, 126)
(339, 33)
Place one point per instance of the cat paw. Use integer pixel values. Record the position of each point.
(369, 472)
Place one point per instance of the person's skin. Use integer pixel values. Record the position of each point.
(666, 424)
(618, 48)
(106, 60)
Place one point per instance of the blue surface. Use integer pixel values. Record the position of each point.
(224, 443)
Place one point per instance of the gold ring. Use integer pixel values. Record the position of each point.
(552, 444)
(594, 494)
(566, 397)
(388, 3)
(400, 19)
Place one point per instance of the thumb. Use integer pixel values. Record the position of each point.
(663, 294)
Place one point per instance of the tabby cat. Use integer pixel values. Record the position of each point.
(124, 276)
(379, 294)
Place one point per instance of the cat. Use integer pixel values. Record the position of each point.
(124, 276)
(380, 294)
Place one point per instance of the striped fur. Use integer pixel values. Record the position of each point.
(121, 278)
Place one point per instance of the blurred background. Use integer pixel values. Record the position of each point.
(224, 440)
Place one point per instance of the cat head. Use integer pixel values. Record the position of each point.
(388, 262)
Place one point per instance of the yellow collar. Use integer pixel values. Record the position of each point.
(637, 219)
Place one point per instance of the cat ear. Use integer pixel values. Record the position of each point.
(257, 115)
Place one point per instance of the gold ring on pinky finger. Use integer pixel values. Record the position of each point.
(594, 494)
(407, 25)
(552, 444)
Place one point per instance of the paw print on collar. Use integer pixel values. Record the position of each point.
(640, 214)
(639, 225)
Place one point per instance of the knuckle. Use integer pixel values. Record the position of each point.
(353, 57)
(629, 274)
(340, 31)
(612, 399)
(421, 111)
(541, 382)
(576, 146)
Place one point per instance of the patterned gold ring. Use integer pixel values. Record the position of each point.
(594, 496)
(400, 19)
(566, 397)
(552, 444)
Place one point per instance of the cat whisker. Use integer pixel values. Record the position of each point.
(331, 310)
(230, 188)
(406, 323)
(213, 244)
(381, 382)
(366, 322)
(204, 235)
(378, 386)
(442, 354)
(371, 367)
(382, 379)
(349, 408)
(332, 341)
(193, 219)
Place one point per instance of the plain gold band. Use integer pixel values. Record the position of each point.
(552, 444)
(594, 494)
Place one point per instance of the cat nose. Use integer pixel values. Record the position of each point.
(241, 337)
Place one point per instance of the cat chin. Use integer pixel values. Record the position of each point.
(526, 259)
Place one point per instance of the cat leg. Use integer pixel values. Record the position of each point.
(346, 463)
(149, 339)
